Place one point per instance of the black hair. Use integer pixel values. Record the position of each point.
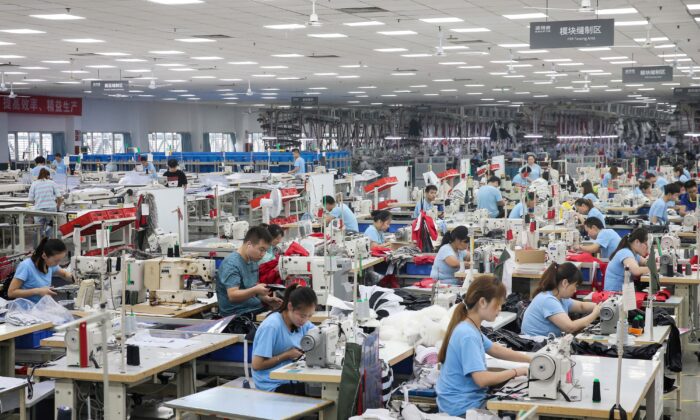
(640, 234)
(649, 175)
(430, 188)
(614, 171)
(678, 168)
(525, 170)
(143, 158)
(381, 215)
(494, 178)
(644, 185)
(172, 163)
(690, 184)
(555, 274)
(328, 200)
(44, 174)
(39, 160)
(299, 297)
(530, 196)
(57, 155)
(587, 186)
(584, 202)
(296, 150)
(594, 222)
(275, 230)
(460, 232)
(48, 247)
(671, 188)
(257, 234)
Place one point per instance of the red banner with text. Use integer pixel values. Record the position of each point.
(50, 105)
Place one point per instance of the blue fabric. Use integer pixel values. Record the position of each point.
(519, 180)
(59, 167)
(32, 278)
(591, 196)
(349, 219)
(236, 272)
(35, 170)
(615, 273)
(151, 170)
(374, 235)
(536, 319)
(487, 198)
(608, 240)
(606, 180)
(536, 172)
(299, 163)
(686, 173)
(687, 202)
(441, 270)
(44, 192)
(658, 209)
(683, 178)
(269, 256)
(517, 212)
(273, 338)
(637, 191)
(58, 141)
(466, 353)
(594, 212)
(426, 206)
(661, 182)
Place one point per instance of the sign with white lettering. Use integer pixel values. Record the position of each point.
(304, 101)
(572, 33)
(687, 92)
(106, 86)
(47, 105)
(647, 74)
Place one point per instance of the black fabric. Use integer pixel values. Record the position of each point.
(243, 324)
(413, 301)
(512, 340)
(294, 388)
(177, 176)
(516, 303)
(585, 348)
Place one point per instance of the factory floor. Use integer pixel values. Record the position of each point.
(690, 392)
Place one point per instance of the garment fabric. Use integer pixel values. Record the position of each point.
(424, 205)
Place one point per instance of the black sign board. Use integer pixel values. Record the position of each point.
(304, 101)
(572, 33)
(687, 92)
(105, 86)
(647, 74)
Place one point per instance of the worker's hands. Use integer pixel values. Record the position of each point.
(45, 291)
(273, 302)
(261, 289)
(596, 310)
(292, 354)
(577, 248)
(522, 371)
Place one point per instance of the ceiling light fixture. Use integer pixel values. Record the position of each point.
(470, 30)
(176, 2)
(328, 35)
(620, 11)
(166, 52)
(389, 50)
(523, 16)
(131, 60)
(58, 16)
(195, 40)
(285, 26)
(207, 58)
(591, 49)
(364, 23)
(397, 33)
(84, 40)
(22, 31)
(442, 20)
(630, 22)
(287, 55)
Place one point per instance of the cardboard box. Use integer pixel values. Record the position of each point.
(530, 256)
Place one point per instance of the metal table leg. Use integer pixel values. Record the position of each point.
(117, 401)
(330, 392)
(186, 379)
(22, 404)
(7, 358)
(65, 396)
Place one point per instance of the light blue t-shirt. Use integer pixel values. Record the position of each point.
(536, 319)
(488, 198)
(35, 170)
(638, 192)
(591, 196)
(606, 180)
(426, 206)
(608, 240)
(59, 167)
(683, 178)
(441, 270)
(661, 182)
(349, 219)
(32, 278)
(686, 173)
(519, 180)
(536, 171)
(271, 339)
(236, 272)
(517, 212)
(466, 353)
(594, 212)
(658, 209)
(301, 164)
(374, 235)
(269, 256)
(151, 171)
(615, 273)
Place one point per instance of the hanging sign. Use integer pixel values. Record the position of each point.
(572, 33)
(304, 101)
(50, 105)
(687, 92)
(105, 86)
(647, 74)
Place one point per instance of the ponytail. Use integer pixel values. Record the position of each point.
(298, 296)
(640, 234)
(459, 233)
(487, 287)
(381, 215)
(555, 274)
(48, 247)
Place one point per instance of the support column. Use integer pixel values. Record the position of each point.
(4, 151)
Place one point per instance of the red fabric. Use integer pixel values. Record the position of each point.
(390, 282)
(268, 273)
(586, 257)
(599, 297)
(424, 259)
(640, 297)
(380, 251)
(416, 233)
(662, 295)
(694, 260)
(301, 282)
(425, 283)
(296, 250)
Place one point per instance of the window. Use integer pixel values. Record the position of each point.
(104, 143)
(256, 139)
(164, 142)
(25, 146)
(221, 142)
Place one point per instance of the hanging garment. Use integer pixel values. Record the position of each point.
(424, 232)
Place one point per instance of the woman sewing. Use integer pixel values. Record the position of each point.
(32, 278)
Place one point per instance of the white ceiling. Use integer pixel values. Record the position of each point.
(136, 27)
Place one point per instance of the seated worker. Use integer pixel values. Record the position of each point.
(277, 235)
(40, 164)
(174, 177)
(452, 250)
(523, 178)
(644, 190)
(586, 209)
(588, 192)
(690, 198)
(237, 288)
(659, 181)
(58, 164)
(679, 174)
(658, 212)
(535, 169)
(148, 168)
(278, 339)
(46, 197)
(32, 279)
(299, 163)
(464, 377)
(606, 240)
(489, 197)
(609, 176)
(628, 254)
(340, 211)
(530, 202)
(426, 204)
(381, 220)
(548, 313)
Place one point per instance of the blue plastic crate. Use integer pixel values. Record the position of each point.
(32, 340)
(418, 270)
(232, 353)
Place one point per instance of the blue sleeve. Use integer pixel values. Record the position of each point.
(306, 327)
(566, 303)
(416, 210)
(487, 343)
(265, 339)
(336, 212)
(517, 212)
(22, 273)
(31, 191)
(470, 347)
(551, 306)
(53, 270)
(231, 275)
(658, 210)
(499, 197)
(604, 238)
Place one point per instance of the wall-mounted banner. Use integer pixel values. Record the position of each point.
(572, 33)
(647, 74)
(50, 105)
(687, 92)
(304, 101)
(104, 86)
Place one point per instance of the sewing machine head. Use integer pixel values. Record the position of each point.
(327, 275)
(549, 369)
(233, 229)
(556, 251)
(171, 278)
(320, 345)
(690, 221)
(160, 242)
(609, 315)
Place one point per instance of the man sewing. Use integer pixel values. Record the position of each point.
(237, 288)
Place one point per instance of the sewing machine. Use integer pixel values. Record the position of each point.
(328, 275)
(690, 221)
(482, 258)
(88, 195)
(102, 271)
(160, 242)
(169, 278)
(84, 345)
(549, 370)
(556, 251)
(609, 315)
(234, 230)
(358, 247)
(11, 176)
(320, 345)
(493, 224)
(571, 238)
(403, 234)
(86, 294)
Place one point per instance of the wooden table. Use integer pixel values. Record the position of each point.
(169, 310)
(640, 381)
(317, 318)
(152, 363)
(661, 333)
(532, 276)
(370, 262)
(624, 210)
(10, 385)
(8, 333)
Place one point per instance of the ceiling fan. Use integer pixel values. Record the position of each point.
(440, 50)
(647, 40)
(3, 87)
(313, 17)
(585, 7)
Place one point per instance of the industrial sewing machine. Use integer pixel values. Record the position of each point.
(93, 272)
(328, 275)
(355, 246)
(160, 242)
(171, 278)
(556, 251)
(88, 195)
(320, 346)
(233, 229)
(403, 234)
(11, 176)
(690, 221)
(610, 315)
(84, 345)
(551, 371)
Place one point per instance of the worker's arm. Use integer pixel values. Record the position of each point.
(653, 220)
(504, 353)
(452, 261)
(265, 363)
(501, 203)
(15, 291)
(564, 323)
(65, 274)
(592, 248)
(238, 295)
(293, 171)
(582, 307)
(634, 268)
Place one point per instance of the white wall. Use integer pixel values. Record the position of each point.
(138, 118)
